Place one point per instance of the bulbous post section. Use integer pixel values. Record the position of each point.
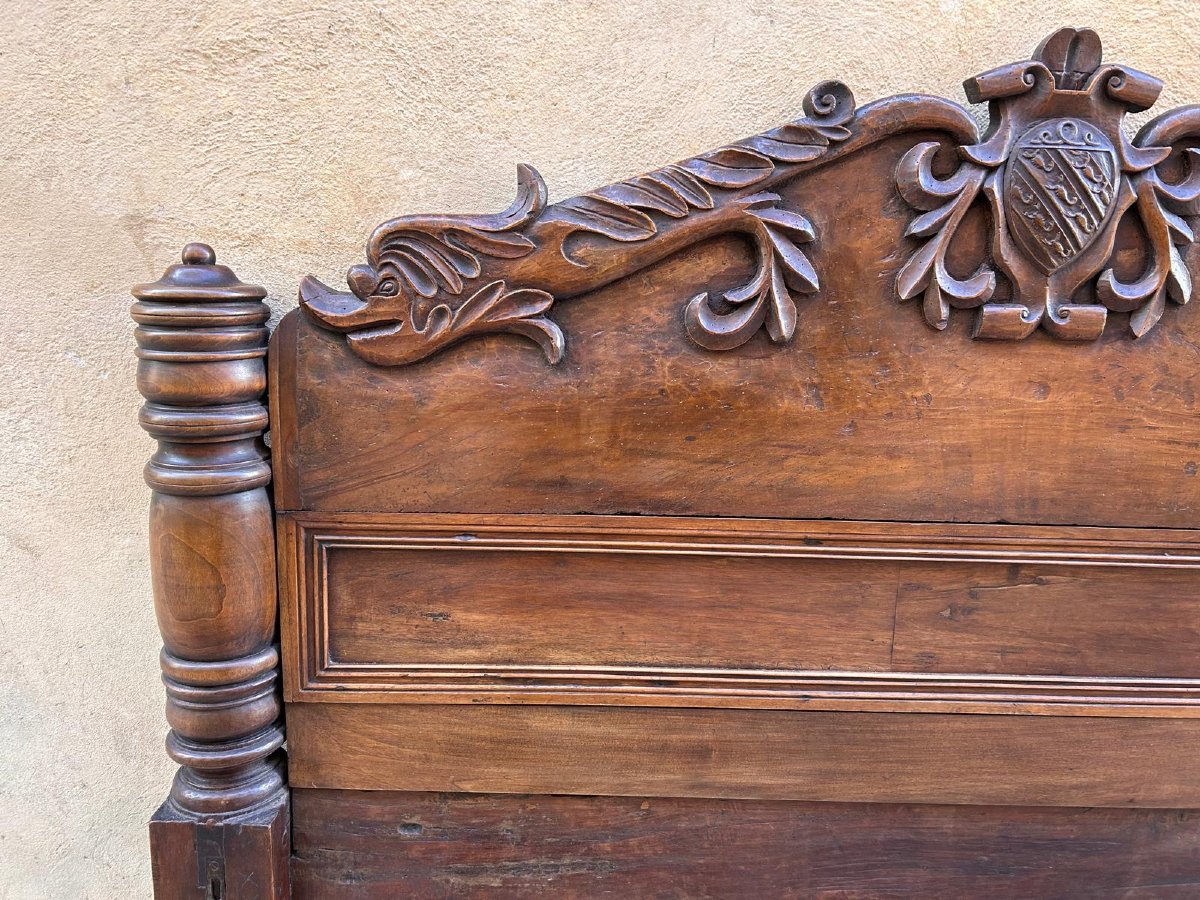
(202, 338)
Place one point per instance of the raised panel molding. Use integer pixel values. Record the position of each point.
(1071, 597)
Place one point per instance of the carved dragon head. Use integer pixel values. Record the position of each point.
(415, 264)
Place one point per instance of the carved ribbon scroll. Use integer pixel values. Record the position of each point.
(1054, 170)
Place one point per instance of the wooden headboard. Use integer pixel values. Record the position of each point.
(817, 514)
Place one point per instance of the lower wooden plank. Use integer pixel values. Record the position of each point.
(758, 754)
(366, 845)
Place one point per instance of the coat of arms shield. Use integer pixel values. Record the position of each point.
(1059, 190)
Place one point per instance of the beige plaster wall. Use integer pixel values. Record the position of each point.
(281, 133)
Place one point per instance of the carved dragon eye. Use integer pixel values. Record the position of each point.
(388, 287)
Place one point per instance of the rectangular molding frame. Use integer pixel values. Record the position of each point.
(311, 674)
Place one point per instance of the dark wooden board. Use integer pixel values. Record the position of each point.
(375, 845)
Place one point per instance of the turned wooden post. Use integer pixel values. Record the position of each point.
(202, 338)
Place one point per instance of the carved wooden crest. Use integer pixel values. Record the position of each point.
(1055, 169)
(1058, 173)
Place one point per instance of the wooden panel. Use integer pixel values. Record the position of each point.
(1048, 620)
(867, 414)
(675, 611)
(763, 754)
(584, 609)
(384, 845)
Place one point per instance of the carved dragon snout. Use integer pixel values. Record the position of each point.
(1055, 167)
(416, 263)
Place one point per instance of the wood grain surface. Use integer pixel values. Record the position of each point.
(735, 612)
(749, 754)
(867, 414)
(347, 845)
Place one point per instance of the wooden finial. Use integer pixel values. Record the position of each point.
(197, 254)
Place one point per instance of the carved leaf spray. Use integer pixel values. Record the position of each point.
(1055, 169)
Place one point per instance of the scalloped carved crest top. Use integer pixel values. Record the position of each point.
(1055, 173)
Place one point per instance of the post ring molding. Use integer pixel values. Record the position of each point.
(202, 341)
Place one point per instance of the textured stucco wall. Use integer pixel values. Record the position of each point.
(281, 133)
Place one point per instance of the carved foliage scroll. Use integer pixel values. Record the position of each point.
(1055, 173)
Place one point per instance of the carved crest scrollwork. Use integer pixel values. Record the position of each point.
(1055, 172)
(1058, 173)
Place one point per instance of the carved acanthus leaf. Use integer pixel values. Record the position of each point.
(766, 300)
(1161, 207)
(945, 202)
(621, 211)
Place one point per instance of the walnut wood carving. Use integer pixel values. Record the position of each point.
(1055, 167)
(1058, 173)
(880, 569)
(201, 342)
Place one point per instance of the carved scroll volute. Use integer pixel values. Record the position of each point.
(202, 339)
